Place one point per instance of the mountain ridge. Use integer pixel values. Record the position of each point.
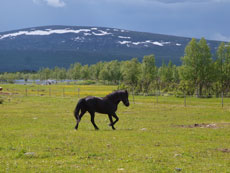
(59, 45)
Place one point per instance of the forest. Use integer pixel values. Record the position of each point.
(201, 73)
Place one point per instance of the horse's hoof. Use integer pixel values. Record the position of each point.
(114, 128)
(96, 128)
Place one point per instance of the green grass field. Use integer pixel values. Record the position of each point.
(37, 133)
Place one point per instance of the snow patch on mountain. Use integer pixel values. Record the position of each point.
(86, 34)
(124, 42)
(44, 32)
(123, 30)
(144, 43)
(157, 43)
(137, 43)
(78, 39)
(124, 37)
(56, 31)
(102, 33)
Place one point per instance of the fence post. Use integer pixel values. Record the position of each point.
(26, 91)
(184, 100)
(63, 94)
(222, 101)
(157, 95)
(50, 92)
(78, 92)
(133, 96)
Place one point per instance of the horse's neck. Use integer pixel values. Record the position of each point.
(115, 100)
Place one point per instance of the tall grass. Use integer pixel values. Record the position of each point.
(37, 134)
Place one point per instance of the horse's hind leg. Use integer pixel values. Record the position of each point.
(93, 122)
(111, 122)
(79, 119)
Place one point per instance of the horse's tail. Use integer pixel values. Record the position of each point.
(80, 103)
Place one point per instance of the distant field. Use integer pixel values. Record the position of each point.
(37, 133)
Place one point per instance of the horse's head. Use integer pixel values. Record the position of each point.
(125, 98)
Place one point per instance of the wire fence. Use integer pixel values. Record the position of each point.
(191, 100)
(56, 91)
(62, 92)
(101, 91)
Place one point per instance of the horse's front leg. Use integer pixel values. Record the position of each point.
(116, 119)
(111, 121)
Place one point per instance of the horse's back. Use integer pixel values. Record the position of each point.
(98, 104)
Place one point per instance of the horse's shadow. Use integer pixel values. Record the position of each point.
(109, 130)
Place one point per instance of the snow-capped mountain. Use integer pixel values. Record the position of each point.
(50, 46)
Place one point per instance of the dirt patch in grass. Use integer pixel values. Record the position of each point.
(2, 93)
(204, 125)
(224, 150)
(7, 93)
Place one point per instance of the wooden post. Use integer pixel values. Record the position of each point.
(157, 95)
(222, 101)
(78, 92)
(184, 100)
(50, 92)
(26, 91)
(63, 94)
(133, 96)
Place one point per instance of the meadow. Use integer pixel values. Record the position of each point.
(153, 134)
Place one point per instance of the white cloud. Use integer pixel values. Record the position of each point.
(56, 3)
(52, 3)
(220, 37)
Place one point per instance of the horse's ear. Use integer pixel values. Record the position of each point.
(126, 92)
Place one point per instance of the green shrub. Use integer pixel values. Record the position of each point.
(1, 100)
(86, 82)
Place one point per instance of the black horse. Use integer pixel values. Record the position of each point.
(104, 105)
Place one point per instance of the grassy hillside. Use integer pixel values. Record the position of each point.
(37, 133)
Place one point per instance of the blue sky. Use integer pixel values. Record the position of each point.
(191, 18)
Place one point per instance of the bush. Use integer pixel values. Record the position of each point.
(122, 86)
(179, 94)
(86, 82)
(1, 100)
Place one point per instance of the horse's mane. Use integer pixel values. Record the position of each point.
(113, 95)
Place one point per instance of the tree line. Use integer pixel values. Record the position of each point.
(200, 74)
